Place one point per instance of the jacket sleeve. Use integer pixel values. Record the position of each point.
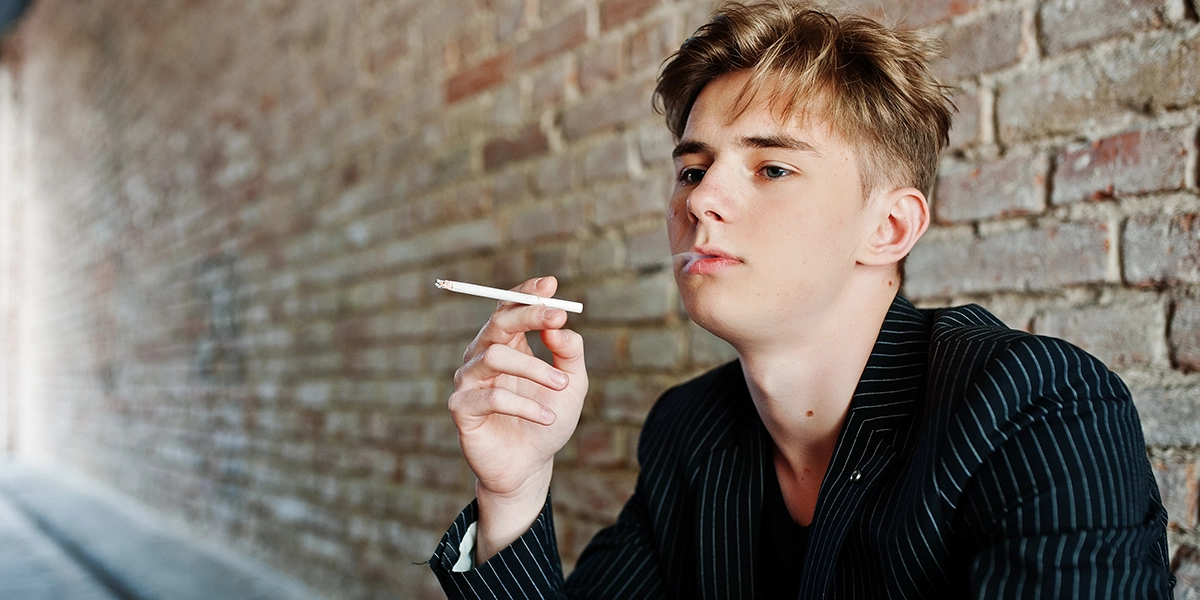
(1064, 503)
(634, 558)
(528, 568)
(618, 563)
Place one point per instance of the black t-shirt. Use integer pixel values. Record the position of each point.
(781, 544)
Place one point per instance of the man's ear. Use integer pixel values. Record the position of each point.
(902, 216)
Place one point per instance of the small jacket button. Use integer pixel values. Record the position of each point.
(855, 476)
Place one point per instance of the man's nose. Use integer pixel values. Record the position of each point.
(710, 200)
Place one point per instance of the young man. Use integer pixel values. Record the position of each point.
(859, 447)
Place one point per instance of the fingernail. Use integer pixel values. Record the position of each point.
(537, 283)
(558, 378)
(550, 313)
(548, 416)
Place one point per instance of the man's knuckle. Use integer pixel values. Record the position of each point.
(491, 356)
(492, 397)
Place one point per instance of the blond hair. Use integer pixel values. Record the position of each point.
(873, 84)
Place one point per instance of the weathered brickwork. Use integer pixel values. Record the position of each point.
(220, 223)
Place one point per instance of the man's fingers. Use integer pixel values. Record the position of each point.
(499, 359)
(567, 347)
(511, 320)
(471, 407)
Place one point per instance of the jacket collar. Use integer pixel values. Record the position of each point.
(878, 418)
(887, 390)
(878, 423)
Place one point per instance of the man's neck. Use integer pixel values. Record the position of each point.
(802, 382)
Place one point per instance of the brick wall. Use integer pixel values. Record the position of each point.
(221, 222)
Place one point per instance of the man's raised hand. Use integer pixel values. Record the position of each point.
(514, 411)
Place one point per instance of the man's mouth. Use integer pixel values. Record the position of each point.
(702, 261)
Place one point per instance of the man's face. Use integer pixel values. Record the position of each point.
(769, 216)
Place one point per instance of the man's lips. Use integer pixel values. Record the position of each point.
(703, 261)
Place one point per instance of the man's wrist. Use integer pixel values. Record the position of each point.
(505, 517)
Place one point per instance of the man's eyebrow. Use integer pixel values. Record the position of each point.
(691, 147)
(786, 142)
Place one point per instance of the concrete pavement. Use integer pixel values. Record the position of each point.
(34, 567)
(61, 540)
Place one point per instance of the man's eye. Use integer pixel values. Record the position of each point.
(774, 172)
(691, 176)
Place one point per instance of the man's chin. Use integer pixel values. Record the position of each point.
(720, 315)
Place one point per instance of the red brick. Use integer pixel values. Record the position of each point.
(1156, 73)
(696, 16)
(1135, 162)
(550, 12)
(1120, 335)
(509, 268)
(649, 298)
(454, 165)
(457, 204)
(591, 493)
(528, 142)
(1185, 565)
(1047, 258)
(599, 445)
(510, 14)
(546, 220)
(509, 188)
(982, 45)
(621, 203)
(560, 259)
(1180, 490)
(1157, 249)
(573, 536)
(507, 110)
(434, 472)
(614, 13)
(648, 250)
(965, 131)
(607, 160)
(655, 349)
(1068, 24)
(550, 85)
(485, 75)
(555, 174)
(915, 14)
(655, 144)
(599, 257)
(708, 350)
(1001, 187)
(605, 350)
(600, 66)
(561, 36)
(651, 43)
(1185, 334)
(619, 107)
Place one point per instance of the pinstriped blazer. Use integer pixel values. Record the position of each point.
(975, 461)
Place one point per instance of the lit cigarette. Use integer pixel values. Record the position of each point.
(507, 296)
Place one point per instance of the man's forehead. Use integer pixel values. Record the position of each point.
(769, 116)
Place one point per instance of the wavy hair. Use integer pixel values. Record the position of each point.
(870, 82)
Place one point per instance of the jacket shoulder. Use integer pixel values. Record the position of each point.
(697, 415)
(969, 343)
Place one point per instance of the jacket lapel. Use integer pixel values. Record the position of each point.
(880, 417)
(729, 482)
